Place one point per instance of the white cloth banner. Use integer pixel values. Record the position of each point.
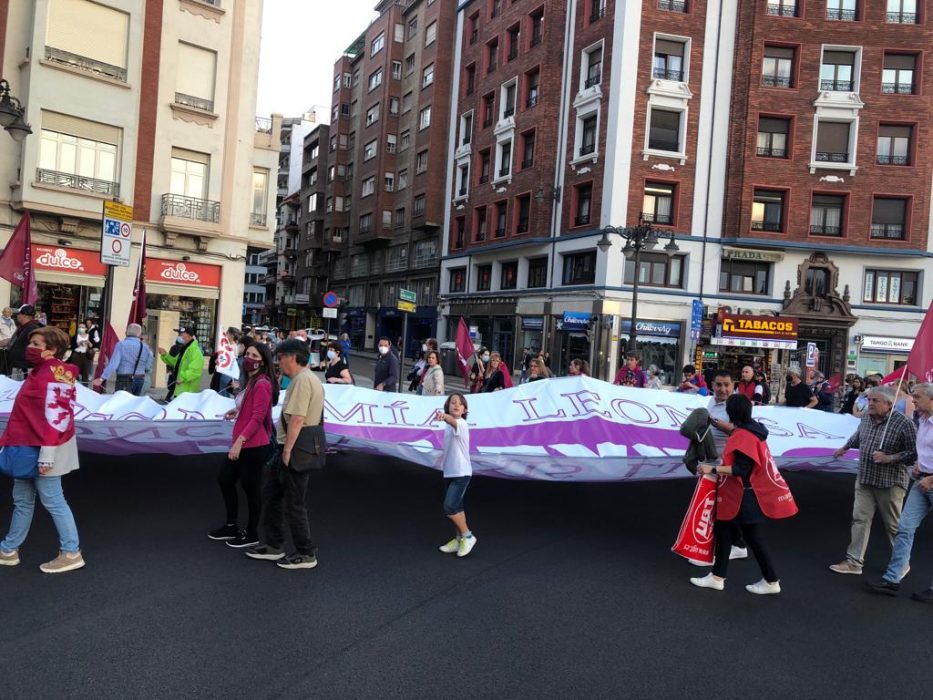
(226, 357)
(567, 429)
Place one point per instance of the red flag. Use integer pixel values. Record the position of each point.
(895, 376)
(16, 260)
(107, 345)
(464, 348)
(695, 539)
(835, 381)
(138, 308)
(920, 360)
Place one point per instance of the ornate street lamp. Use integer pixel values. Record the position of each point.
(637, 238)
(11, 114)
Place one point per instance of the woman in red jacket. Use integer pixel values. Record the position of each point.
(250, 448)
(750, 490)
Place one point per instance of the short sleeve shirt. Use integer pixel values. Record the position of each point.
(457, 450)
(305, 397)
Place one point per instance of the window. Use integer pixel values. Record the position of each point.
(419, 205)
(768, 211)
(404, 140)
(396, 70)
(588, 136)
(430, 34)
(837, 72)
(421, 163)
(403, 179)
(88, 36)
(537, 26)
(658, 203)
(366, 223)
(523, 203)
(889, 218)
(372, 114)
(513, 39)
(842, 10)
(593, 66)
(427, 75)
(407, 100)
(580, 268)
(655, 270)
(598, 10)
(494, 7)
(410, 64)
(891, 287)
(744, 277)
(479, 216)
(85, 162)
(826, 214)
(492, 55)
(375, 80)
(509, 278)
(393, 106)
(377, 44)
(459, 232)
(458, 280)
(528, 149)
(782, 8)
(412, 27)
(537, 273)
(369, 150)
(466, 128)
(474, 28)
(356, 77)
(897, 78)
(260, 203)
(772, 137)
(399, 35)
(832, 142)
(424, 118)
(470, 80)
(501, 219)
(777, 67)
(505, 158)
(489, 106)
(389, 182)
(673, 5)
(894, 144)
(902, 12)
(483, 278)
(508, 99)
(531, 81)
(189, 173)
(194, 83)
(664, 131)
(584, 202)
(484, 160)
(463, 180)
(668, 60)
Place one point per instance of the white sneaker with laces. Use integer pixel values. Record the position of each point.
(738, 553)
(466, 545)
(764, 588)
(451, 547)
(709, 581)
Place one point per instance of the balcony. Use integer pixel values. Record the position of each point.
(821, 230)
(668, 74)
(772, 226)
(771, 152)
(672, 5)
(831, 157)
(836, 85)
(663, 219)
(201, 103)
(257, 219)
(508, 112)
(82, 63)
(902, 18)
(779, 81)
(892, 160)
(782, 10)
(177, 205)
(425, 261)
(897, 88)
(840, 14)
(581, 220)
(890, 231)
(78, 182)
(263, 125)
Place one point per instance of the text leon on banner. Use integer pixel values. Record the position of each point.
(116, 236)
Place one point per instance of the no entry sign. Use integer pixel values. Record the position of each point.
(331, 300)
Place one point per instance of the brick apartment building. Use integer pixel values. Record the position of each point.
(770, 141)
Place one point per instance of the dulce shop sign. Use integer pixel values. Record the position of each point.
(75, 261)
(185, 273)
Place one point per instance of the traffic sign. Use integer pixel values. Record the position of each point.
(329, 312)
(406, 306)
(331, 300)
(116, 234)
(407, 295)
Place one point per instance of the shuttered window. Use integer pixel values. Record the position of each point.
(196, 69)
(88, 29)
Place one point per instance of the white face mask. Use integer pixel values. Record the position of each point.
(82, 330)
(424, 347)
(331, 354)
(383, 349)
(485, 358)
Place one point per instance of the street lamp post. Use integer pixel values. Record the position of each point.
(637, 238)
(11, 114)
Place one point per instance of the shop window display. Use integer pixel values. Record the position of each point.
(200, 313)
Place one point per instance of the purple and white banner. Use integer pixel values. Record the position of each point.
(567, 429)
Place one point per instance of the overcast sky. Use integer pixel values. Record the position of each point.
(301, 39)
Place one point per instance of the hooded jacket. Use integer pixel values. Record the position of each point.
(698, 430)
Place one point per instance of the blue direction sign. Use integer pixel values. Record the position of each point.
(696, 319)
(331, 300)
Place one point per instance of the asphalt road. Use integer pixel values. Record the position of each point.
(571, 592)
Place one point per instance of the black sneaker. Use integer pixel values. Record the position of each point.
(883, 586)
(923, 596)
(243, 540)
(298, 561)
(266, 552)
(227, 532)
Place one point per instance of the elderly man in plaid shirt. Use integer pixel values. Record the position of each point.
(883, 473)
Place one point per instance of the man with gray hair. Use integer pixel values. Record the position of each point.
(919, 501)
(131, 359)
(887, 445)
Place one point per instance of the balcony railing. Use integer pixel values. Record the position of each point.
(902, 17)
(536, 37)
(893, 160)
(581, 220)
(592, 80)
(836, 85)
(500, 231)
(532, 99)
(897, 88)
(190, 208)
(256, 219)
(598, 13)
(587, 148)
(78, 182)
(503, 172)
(672, 5)
(660, 145)
(840, 14)
(508, 112)
(831, 157)
(663, 219)
(781, 81)
(766, 226)
(895, 231)
(772, 152)
(427, 260)
(263, 125)
(522, 226)
(782, 10)
(822, 230)
(66, 58)
(462, 192)
(668, 74)
(192, 101)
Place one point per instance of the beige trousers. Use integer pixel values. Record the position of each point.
(868, 499)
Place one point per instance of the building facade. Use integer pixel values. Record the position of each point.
(151, 104)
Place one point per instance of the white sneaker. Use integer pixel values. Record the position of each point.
(451, 546)
(738, 553)
(9, 558)
(697, 562)
(709, 581)
(764, 588)
(466, 545)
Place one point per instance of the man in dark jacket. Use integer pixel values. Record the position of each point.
(26, 323)
(385, 373)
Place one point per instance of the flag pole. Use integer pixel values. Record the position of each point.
(887, 421)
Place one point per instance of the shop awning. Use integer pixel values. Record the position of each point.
(758, 343)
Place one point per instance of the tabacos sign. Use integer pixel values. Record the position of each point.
(185, 273)
(776, 327)
(60, 259)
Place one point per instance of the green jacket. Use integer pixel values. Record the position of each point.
(188, 366)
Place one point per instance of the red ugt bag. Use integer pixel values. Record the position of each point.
(695, 539)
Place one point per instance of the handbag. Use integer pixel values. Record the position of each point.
(19, 462)
(695, 539)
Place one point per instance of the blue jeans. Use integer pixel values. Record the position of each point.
(50, 493)
(916, 507)
(456, 490)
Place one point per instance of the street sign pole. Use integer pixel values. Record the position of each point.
(401, 359)
(406, 304)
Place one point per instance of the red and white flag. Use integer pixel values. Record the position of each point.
(16, 261)
(464, 348)
(226, 356)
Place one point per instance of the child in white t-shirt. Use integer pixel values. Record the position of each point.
(457, 471)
